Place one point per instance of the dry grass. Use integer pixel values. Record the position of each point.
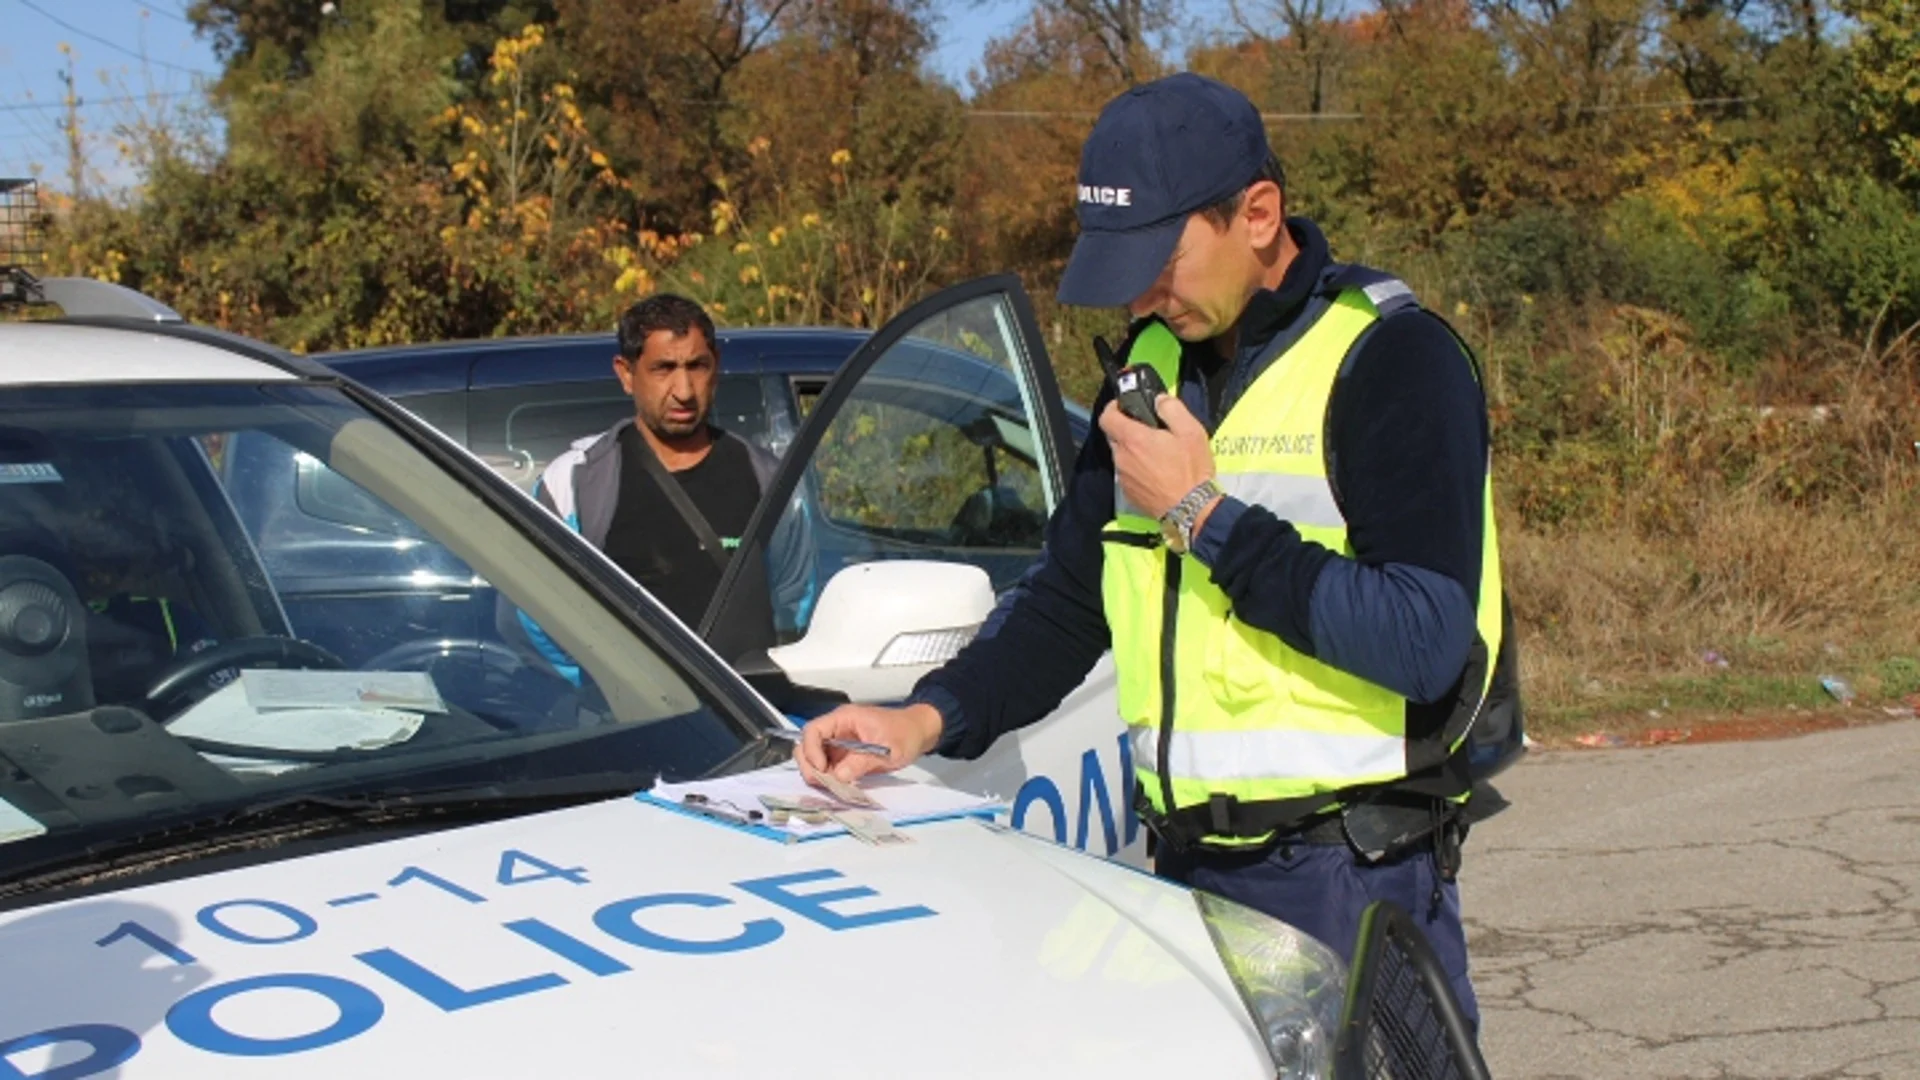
(1614, 619)
(1772, 521)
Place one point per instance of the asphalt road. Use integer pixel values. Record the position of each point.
(1727, 910)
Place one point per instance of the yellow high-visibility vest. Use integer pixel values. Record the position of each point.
(1215, 707)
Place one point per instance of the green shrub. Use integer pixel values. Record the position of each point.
(1860, 254)
(1729, 303)
(1542, 253)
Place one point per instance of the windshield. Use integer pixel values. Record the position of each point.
(217, 595)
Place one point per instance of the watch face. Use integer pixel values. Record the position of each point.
(1175, 542)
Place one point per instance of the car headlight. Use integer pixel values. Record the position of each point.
(1293, 985)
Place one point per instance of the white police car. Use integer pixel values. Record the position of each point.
(203, 875)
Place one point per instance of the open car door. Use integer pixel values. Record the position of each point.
(916, 492)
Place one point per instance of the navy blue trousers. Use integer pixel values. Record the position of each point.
(1323, 888)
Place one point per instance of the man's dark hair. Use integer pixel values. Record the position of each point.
(1221, 213)
(662, 311)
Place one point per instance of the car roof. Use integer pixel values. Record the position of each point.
(811, 337)
(449, 366)
(427, 367)
(124, 351)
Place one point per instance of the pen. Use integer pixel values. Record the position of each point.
(854, 745)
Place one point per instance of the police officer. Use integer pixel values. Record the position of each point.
(1296, 571)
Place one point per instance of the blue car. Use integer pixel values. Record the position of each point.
(517, 403)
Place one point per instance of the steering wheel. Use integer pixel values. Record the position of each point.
(186, 674)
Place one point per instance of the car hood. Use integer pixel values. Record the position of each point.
(622, 938)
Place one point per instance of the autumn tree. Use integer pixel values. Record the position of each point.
(1303, 43)
(662, 79)
(278, 36)
(1885, 68)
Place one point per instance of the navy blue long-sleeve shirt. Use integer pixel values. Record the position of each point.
(1406, 442)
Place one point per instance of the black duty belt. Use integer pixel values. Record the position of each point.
(1325, 829)
(1375, 825)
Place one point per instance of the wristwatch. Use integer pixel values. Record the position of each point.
(1176, 525)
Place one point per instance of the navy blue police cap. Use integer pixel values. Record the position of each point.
(1158, 153)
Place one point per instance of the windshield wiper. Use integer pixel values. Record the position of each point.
(273, 821)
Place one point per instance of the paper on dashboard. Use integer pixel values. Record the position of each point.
(228, 716)
(17, 824)
(294, 689)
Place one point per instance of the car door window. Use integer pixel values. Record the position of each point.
(941, 440)
(968, 463)
(518, 430)
(444, 410)
(911, 470)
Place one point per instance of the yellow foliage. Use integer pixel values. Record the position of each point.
(841, 157)
(1715, 199)
(633, 279)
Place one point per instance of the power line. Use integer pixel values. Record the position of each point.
(98, 40)
(88, 103)
(1628, 106)
(150, 9)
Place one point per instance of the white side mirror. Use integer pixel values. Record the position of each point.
(879, 626)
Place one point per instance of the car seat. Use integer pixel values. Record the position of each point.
(43, 639)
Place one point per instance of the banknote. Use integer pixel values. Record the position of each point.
(850, 794)
(871, 828)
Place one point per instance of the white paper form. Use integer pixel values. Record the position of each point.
(229, 716)
(17, 824)
(902, 801)
(276, 689)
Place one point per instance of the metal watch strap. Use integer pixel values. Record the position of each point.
(1184, 512)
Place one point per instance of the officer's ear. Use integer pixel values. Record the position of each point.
(1265, 209)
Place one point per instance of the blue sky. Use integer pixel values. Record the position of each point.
(126, 50)
(110, 38)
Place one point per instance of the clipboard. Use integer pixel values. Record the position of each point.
(903, 803)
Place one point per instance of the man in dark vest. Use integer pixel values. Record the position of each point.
(666, 494)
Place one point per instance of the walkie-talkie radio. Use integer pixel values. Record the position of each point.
(1135, 386)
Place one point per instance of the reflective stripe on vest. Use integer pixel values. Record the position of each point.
(1213, 705)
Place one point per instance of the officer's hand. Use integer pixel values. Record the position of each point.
(1158, 466)
(908, 733)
